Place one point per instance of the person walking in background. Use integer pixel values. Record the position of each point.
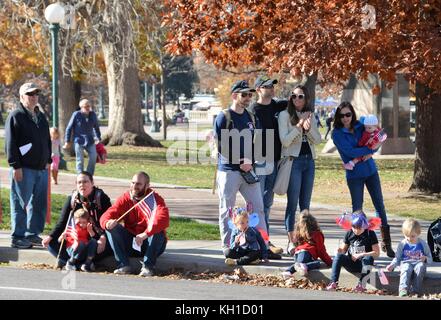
(56, 153)
(84, 127)
(328, 121)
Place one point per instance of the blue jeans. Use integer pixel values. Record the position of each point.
(343, 260)
(28, 199)
(121, 241)
(266, 186)
(91, 151)
(299, 188)
(373, 184)
(412, 272)
(54, 248)
(82, 252)
(306, 258)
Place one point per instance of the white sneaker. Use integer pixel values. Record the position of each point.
(123, 270)
(286, 275)
(301, 268)
(147, 272)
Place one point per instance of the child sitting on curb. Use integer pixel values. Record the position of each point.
(80, 244)
(362, 247)
(413, 254)
(310, 245)
(247, 245)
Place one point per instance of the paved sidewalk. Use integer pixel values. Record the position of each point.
(200, 256)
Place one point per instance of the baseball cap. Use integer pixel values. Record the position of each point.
(264, 80)
(28, 87)
(241, 86)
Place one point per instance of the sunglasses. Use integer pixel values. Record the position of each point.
(270, 86)
(298, 96)
(246, 94)
(32, 94)
(347, 115)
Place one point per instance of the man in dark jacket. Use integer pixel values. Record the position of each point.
(267, 111)
(28, 150)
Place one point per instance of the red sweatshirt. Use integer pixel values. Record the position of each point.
(82, 234)
(136, 221)
(316, 248)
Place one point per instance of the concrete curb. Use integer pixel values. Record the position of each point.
(194, 262)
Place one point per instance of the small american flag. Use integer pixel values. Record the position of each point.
(148, 207)
(381, 136)
(70, 229)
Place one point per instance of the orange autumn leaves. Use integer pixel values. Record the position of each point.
(18, 54)
(306, 36)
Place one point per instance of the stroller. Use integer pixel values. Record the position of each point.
(434, 239)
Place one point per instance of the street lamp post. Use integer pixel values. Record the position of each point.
(155, 124)
(101, 114)
(54, 14)
(146, 96)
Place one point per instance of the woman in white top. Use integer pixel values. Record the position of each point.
(298, 133)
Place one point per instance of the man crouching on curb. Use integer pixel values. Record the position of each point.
(147, 220)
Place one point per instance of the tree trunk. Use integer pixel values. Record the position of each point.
(125, 118)
(427, 172)
(67, 102)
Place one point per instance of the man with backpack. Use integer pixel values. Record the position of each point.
(235, 131)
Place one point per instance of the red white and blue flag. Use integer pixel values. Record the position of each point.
(71, 231)
(148, 207)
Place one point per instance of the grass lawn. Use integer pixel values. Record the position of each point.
(329, 187)
(180, 228)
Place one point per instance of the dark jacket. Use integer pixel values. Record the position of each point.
(94, 211)
(267, 116)
(22, 131)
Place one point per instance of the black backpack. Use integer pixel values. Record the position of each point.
(434, 239)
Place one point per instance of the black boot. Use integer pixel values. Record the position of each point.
(386, 243)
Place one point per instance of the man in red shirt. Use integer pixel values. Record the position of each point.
(147, 221)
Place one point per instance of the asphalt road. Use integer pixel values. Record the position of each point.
(16, 284)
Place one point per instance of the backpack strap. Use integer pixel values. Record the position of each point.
(227, 115)
(73, 199)
(98, 194)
